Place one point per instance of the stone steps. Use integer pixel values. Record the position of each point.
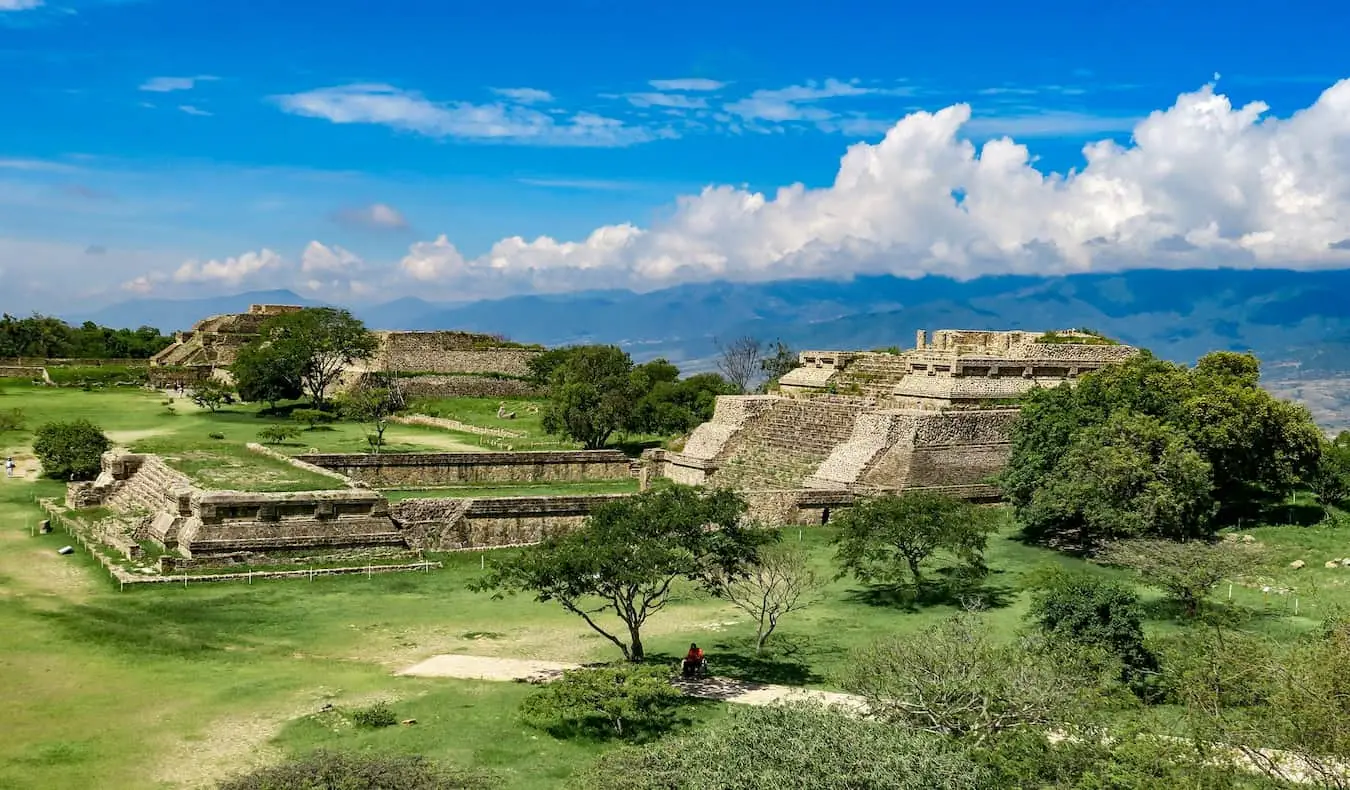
(872, 434)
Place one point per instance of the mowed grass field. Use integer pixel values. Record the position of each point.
(172, 687)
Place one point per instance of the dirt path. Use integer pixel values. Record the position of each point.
(722, 689)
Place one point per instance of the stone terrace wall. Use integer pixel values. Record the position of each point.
(465, 386)
(450, 352)
(23, 372)
(396, 470)
(959, 449)
(455, 524)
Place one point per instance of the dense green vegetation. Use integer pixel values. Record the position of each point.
(44, 337)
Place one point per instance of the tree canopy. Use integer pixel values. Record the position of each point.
(886, 539)
(309, 347)
(70, 450)
(1136, 439)
(48, 337)
(624, 559)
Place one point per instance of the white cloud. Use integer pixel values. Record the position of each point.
(389, 106)
(379, 216)
(190, 110)
(1203, 183)
(687, 84)
(319, 258)
(19, 5)
(170, 84)
(230, 271)
(677, 100)
(578, 183)
(524, 95)
(795, 102)
(36, 165)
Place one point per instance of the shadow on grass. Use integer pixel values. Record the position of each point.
(947, 588)
(783, 662)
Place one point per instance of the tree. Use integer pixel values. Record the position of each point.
(624, 701)
(887, 538)
(1131, 476)
(670, 406)
(779, 584)
(800, 746)
(311, 418)
(739, 361)
(1185, 571)
(951, 679)
(590, 395)
(778, 360)
(211, 394)
(325, 770)
(268, 374)
(1095, 613)
(1330, 480)
(372, 406)
(629, 552)
(70, 450)
(322, 341)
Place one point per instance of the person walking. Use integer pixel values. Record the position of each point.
(9, 466)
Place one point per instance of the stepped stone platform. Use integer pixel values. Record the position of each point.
(939, 416)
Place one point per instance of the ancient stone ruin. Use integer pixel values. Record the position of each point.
(432, 364)
(938, 416)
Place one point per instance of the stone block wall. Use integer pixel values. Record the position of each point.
(465, 386)
(22, 372)
(395, 470)
(456, 524)
(450, 352)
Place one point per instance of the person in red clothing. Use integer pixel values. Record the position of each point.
(694, 660)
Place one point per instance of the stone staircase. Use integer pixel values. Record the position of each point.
(873, 433)
(871, 374)
(150, 489)
(783, 446)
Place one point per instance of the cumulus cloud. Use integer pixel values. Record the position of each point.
(229, 271)
(675, 100)
(687, 84)
(524, 95)
(319, 258)
(388, 106)
(170, 84)
(378, 216)
(19, 5)
(1203, 183)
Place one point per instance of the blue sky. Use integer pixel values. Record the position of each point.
(142, 135)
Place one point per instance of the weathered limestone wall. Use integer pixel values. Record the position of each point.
(396, 470)
(466, 386)
(785, 444)
(22, 372)
(455, 524)
(450, 352)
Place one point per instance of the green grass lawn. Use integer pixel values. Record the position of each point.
(167, 687)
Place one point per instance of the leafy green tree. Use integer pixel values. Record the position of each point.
(779, 359)
(325, 770)
(1330, 480)
(542, 366)
(1185, 571)
(321, 342)
(276, 434)
(886, 539)
(669, 405)
(268, 374)
(372, 406)
(311, 418)
(70, 450)
(1095, 613)
(799, 746)
(630, 701)
(591, 395)
(953, 679)
(1131, 476)
(627, 555)
(211, 394)
(47, 337)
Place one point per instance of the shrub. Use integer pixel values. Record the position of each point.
(377, 715)
(312, 418)
(1094, 613)
(625, 701)
(325, 770)
(70, 450)
(276, 434)
(215, 435)
(211, 394)
(791, 747)
(100, 375)
(12, 420)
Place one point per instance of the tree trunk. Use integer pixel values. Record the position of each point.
(635, 650)
(914, 571)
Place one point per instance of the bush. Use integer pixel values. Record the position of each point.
(377, 715)
(276, 434)
(312, 418)
(70, 450)
(12, 420)
(215, 435)
(332, 770)
(1094, 613)
(623, 701)
(802, 746)
(100, 375)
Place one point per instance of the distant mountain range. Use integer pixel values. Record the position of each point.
(1298, 322)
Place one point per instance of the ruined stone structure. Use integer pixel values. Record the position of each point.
(172, 512)
(487, 366)
(402, 470)
(938, 416)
